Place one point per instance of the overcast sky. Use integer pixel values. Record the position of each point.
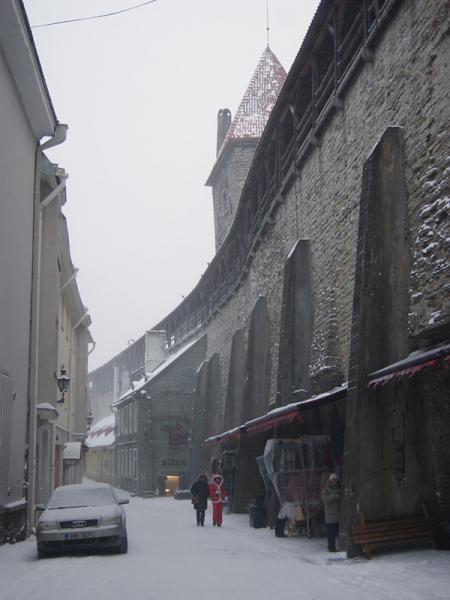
(140, 92)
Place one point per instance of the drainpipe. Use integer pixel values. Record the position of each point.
(59, 136)
(70, 365)
(33, 380)
(93, 347)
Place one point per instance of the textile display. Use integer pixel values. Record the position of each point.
(297, 468)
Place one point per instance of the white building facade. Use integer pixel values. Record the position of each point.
(32, 247)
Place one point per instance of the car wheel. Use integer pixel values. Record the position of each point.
(123, 548)
(41, 553)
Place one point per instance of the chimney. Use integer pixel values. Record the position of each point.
(223, 125)
(155, 349)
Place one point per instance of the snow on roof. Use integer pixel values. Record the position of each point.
(72, 451)
(105, 422)
(259, 99)
(45, 406)
(276, 412)
(137, 385)
(102, 433)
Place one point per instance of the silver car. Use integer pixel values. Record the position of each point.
(83, 516)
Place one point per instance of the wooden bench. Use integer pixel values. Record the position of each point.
(413, 529)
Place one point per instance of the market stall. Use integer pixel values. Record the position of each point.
(297, 469)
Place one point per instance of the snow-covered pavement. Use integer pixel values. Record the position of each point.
(170, 558)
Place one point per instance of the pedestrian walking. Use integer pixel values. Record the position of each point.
(331, 496)
(218, 495)
(200, 495)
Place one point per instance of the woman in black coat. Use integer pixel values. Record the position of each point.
(200, 495)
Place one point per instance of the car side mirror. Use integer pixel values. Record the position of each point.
(39, 507)
(124, 501)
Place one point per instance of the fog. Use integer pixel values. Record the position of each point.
(140, 92)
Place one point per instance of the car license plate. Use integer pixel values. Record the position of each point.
(76, 535)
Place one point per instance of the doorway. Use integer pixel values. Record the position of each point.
(172, 483)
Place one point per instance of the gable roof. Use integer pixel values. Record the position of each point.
(150, 377)
(18, 48)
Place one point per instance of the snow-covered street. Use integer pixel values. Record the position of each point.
(170, 557)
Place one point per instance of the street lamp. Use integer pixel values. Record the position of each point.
(63, 382)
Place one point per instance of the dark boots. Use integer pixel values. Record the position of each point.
(279, 528)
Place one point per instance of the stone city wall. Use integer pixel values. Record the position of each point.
(406, 85)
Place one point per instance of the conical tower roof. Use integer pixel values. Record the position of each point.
(259, 99)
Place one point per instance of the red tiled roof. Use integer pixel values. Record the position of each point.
(259, 99)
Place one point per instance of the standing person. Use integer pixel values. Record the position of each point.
(331, 495)
(200, 495)
(218, 495)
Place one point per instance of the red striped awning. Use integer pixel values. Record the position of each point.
(269, 421)
(227, 436)
(411, 366)
(258, 425)
(279, 416)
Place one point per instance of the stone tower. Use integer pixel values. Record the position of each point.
(237, 140)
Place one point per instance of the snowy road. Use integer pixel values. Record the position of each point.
(170, 558)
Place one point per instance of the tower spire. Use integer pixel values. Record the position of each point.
(238, 140)
(267, 21)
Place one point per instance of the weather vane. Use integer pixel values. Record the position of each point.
(267, 28)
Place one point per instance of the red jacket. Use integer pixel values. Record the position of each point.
(217, 490)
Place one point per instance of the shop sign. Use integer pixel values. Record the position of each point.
(173, 462)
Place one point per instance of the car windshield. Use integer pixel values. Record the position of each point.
(83, 496)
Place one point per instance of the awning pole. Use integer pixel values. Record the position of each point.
(306, 493)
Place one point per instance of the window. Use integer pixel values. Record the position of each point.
(135, 425)
(134, 463)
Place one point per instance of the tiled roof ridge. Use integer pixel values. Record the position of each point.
(258, 100)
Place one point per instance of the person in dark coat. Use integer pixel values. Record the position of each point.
(200, 495)
(331, 497)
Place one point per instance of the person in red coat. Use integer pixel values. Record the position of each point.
(218, 495)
